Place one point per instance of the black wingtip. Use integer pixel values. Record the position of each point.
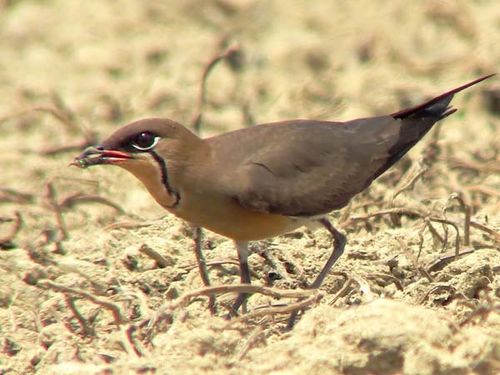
(438, 105)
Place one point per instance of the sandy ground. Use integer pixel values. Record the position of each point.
(77, 294)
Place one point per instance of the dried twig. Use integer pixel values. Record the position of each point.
(414, 260)
(436, 288)
(389, 211)
(42, 109)
(86, 328)
(454, 226)
(407, 212)
(492, 166)
(393, 279)
(286, 309)
(483, 310)
(130, 342)
(486, 190)
(78, 198)
(202, 266)
(166, 310)
(243, 289)
(51, 196)
(160, 260)
(211, 263)
(467, 212)
(64, 113)
(6, 242)
(366, 205)
(11, 195)
(410, 183)
(434, 232)
(127, 225)
(432, 151)
(219, 56)
(484, 228)
(254, 336)
(421, 236)
(446, 259)
(112, 307)
(65, 116)
(343, 291)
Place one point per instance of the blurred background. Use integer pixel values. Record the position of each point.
(71, 72)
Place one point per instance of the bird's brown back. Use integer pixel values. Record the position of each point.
(302, 167)
(308, 168)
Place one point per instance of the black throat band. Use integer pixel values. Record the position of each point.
(164, 179)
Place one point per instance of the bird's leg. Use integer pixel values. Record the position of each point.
(339, 241)
(242, 248)
(202, 265)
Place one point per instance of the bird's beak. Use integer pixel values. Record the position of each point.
(99, 155)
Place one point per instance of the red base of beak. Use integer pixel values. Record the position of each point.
(114, 154)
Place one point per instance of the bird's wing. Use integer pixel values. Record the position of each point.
(306, 168)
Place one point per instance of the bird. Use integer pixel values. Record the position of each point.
(266, 180)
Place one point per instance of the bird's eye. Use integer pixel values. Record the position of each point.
(145, 141)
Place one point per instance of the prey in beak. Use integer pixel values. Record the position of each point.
(99, 155)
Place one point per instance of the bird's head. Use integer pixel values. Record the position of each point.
(152, 149)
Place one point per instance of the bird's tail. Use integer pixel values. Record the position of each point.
(417, 121)
(437, 107)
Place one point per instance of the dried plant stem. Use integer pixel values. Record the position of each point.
(11, 195)
(286, 309)
(212, 263)
(414, 260)
(484, 228)
(166, 310)
(479, 167)
(86, 328)
(202, 266)
(7, 240)
(112, 307)
(243, 288)
(404, 211)
(422, 169)
(250, 341)
(160, 260)
(446, 259)
(467, 212)
(79, 198)
(51, 196)
(202, 96)
(343, 291)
